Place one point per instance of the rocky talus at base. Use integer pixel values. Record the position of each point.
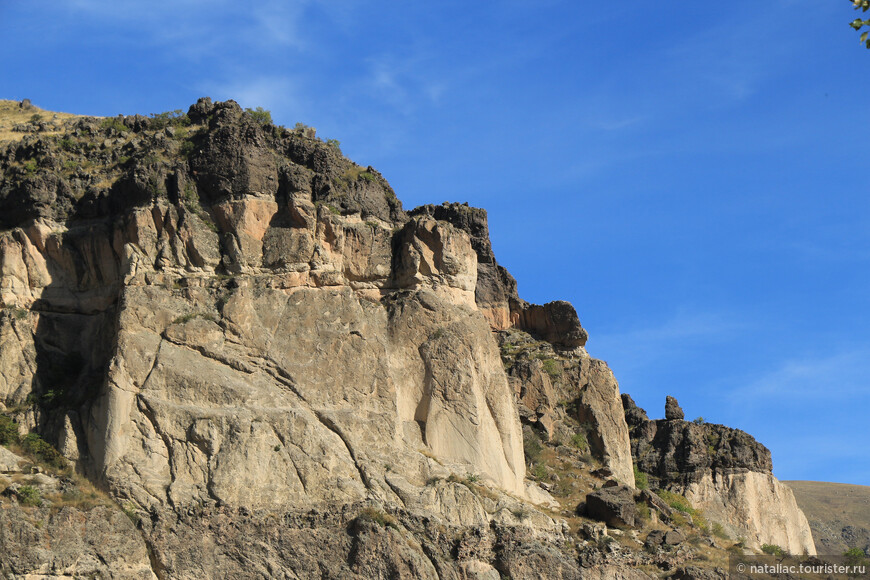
(270, 369)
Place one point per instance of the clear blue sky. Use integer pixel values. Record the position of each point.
(692, 176)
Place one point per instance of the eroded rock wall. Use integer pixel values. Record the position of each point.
(755, 506)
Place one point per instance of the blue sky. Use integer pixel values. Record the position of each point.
(692, 176)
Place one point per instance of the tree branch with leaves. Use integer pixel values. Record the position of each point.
(858, 23)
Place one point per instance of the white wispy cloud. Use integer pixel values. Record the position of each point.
(837, 375)
(193, 27)
(650, 341)
(279, 94)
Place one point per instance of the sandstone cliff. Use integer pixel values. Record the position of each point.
(276, 371)
(220, 314)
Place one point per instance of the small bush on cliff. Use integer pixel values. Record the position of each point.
(579, 442)
(773, 550)
(29, 495)
(552, 368)
(641, 481)
(531, 446)
(719, 531)
(260, 115)
(113, 123)
(377, 516)
(855, 557)
(162, 120)
(45, 453)
(676, 501)
(8, 431)
(334, 143)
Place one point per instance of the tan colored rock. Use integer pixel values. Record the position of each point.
(601, 405)
(9, 462)
(755, 506)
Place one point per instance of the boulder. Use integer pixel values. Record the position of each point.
(9, 462)
(614, 506)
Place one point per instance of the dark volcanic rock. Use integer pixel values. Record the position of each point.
(634, 415)
(613, 506)
(679, 451)
(673, 411)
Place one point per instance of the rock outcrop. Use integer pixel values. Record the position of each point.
(723, 471)
(673, 411)
(221, 317)
(245, 341)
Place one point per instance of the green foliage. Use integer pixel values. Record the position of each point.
(177, 118)
(113, 123)
(854, 556)
(8, 431)
(773, 550)
(719, 531)
(30, 166)
(676, 501)
(532, 447)
(19, 313)
(578, 440)
(35, 118)
(300, 127)
(260, 115)
(187, 147)
(552, 368)
(520, 513)
(641, 481)
(67, 144)
(539, 471)
(698, 421)
(43, 452)
(377, 516)
(189, 196)
(472, 478)
(859, 23)
(193, 315)
(334, 143)
(29, 495)
(70, 165)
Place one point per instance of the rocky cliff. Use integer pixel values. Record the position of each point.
(245, 342)
(724, 472)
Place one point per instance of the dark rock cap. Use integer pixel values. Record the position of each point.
(673, 410)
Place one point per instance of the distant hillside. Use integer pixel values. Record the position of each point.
(839, 514)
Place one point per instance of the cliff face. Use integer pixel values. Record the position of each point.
(276, 370)
(227, 315)
(724, 472)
